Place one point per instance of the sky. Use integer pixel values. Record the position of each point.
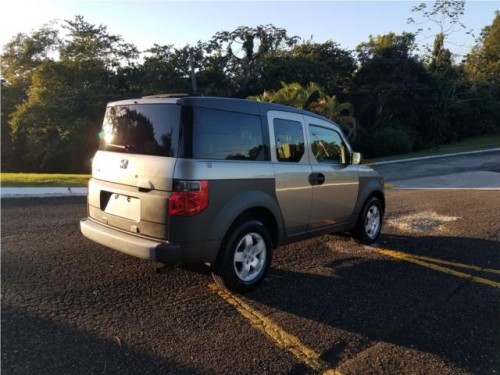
(145, 23)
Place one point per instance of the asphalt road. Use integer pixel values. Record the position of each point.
(70, 306)
(480, 170)
(487, 162)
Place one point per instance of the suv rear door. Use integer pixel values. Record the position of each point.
(133, 169)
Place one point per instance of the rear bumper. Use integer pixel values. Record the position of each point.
(165, 252)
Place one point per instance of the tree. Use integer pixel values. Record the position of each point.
(244, 50)
(212, 76)
(293, 94)
(10, 97)
(481, 69)
(20, 58)
(167, 69)
(441, 61)
(482, 64)
(445, 15)
(88, 43)
(325, 63)
(383, 100)
(54, 129)
(24, 53)
(391, 90)
(442, 20)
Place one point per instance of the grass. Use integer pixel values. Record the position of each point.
(42, 179)
(469, 144)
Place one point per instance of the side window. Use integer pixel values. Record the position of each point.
(327, 145)
(289, 140)
(226, 135)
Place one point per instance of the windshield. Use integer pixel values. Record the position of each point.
(149, 129)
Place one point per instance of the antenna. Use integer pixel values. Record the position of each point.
(191, 68)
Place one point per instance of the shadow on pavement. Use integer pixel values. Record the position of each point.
(471, 251)
(33, 345)
(386, 300)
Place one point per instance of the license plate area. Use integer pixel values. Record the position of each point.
(121, 205)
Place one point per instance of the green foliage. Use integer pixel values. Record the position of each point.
(391, 47)
(24, 53)
(391, 141)
(326, 64)
(11, 95)
(166, 69)
(54, 123)
(88, 43)
(482, 65)
(51, 129)
(401, 96)
(313, 98)
(293, 94)
(243, 52)
(20, 58)
(479, 113)
(386, 141)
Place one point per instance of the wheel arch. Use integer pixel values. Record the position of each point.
(263, 215)
(380, 196)
(368, 187)
(247, 206)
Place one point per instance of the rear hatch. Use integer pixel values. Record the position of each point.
(133, 169)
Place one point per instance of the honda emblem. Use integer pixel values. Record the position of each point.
(124, 164)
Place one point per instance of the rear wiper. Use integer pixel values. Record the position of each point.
(117, 146)
(126, 147)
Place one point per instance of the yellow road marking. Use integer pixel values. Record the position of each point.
(460, 265)
(417, 260)
(282, 339)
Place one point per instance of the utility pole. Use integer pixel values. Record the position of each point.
(191, 67)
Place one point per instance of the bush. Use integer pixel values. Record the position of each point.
(389, 141)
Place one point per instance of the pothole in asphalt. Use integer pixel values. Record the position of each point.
(427, 221)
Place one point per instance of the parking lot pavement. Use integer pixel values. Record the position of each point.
(410, 304)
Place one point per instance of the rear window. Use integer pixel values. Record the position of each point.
(148, 129)
(222, 135)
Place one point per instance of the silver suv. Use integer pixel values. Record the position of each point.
(224, 181)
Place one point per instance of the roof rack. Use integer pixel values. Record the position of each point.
(171, 95)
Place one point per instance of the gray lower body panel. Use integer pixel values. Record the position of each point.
(150, 249)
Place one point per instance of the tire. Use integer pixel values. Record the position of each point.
(245, 257)
(369, 223)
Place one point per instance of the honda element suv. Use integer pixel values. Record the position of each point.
(224, 181)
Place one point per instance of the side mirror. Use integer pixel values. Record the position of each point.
(356, 158)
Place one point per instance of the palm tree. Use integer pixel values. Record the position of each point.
(313, 98)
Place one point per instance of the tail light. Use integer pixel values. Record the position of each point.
(189, 198)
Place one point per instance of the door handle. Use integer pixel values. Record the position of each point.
(316, 178)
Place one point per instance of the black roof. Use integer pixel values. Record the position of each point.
(243, 106)
(226, 104)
